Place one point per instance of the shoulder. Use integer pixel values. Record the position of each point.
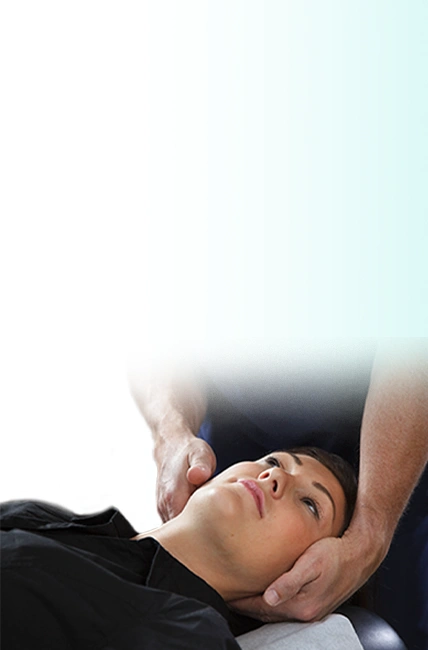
(31, 514)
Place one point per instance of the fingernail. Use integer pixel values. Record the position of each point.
(272, 597)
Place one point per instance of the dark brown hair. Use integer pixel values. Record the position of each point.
(341, 469)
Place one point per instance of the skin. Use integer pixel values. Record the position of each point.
(250, 523)
(174, 411)
(394, 452)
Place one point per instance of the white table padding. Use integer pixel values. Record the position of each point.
(334, 632)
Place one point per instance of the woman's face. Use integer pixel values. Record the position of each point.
(263, 515)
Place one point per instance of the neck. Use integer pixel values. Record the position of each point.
(201, 556)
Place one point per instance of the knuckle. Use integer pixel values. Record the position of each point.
(295, 586)
(289, 587)
(204, 451)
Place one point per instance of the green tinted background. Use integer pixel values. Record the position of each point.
(322, 198)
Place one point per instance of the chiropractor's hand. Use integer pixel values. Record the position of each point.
(182, 468)
(326, 575)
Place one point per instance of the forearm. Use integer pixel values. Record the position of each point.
(174, 410)
(394, 444)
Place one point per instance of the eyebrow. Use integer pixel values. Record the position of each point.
(319, 486)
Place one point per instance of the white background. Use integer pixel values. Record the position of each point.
(183, 178)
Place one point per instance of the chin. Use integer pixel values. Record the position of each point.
(219, 501)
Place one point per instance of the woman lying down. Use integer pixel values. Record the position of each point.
(90, 581)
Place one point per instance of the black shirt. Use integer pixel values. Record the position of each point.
(79, 581)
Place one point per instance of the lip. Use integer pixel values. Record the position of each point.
(255, 492)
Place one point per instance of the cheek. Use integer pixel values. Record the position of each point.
(267, 554)
(287, 540)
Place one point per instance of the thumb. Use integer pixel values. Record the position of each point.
(201, 467)
(284, 588)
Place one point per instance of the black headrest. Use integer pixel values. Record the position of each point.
(373, 632)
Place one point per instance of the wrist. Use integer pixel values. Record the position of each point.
(372, 531)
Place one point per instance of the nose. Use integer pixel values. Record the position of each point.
(276, 480)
